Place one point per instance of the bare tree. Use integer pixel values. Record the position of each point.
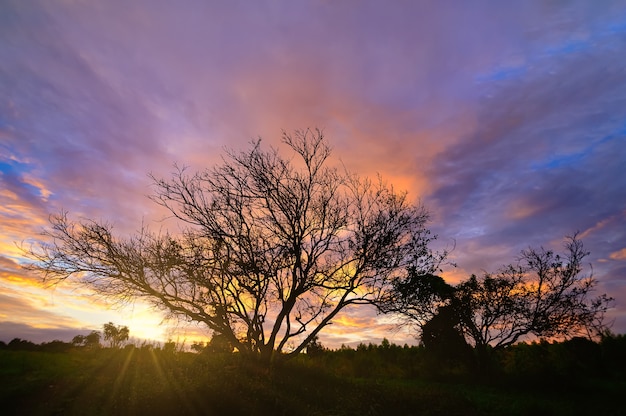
(543, 295)
(273, 249)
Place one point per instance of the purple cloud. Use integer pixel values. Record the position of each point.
(506, 119)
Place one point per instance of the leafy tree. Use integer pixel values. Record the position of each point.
(92, 340)
(543, 295)
(55, 346)
(314, 347)
(273, 249)
(417, 297)
(443, 338)
(220, 343)
(22, 344)
(78, 341)
(116, 335)
(198, 346)
(169, 347)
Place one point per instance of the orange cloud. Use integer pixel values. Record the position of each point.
(354, 321)
(618, 255)
(521, 208)
(37, 183)
(602, 224)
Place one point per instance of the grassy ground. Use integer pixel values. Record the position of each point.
(139, 382)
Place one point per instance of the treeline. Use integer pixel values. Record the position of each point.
(115, 336)
(274, 246)
(537, 362)
(18, 344)
(540, 362)
(574, 377)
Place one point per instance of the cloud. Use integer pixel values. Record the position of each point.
(505, 119)
(11, 330)
(618, 255)
(544, 156)
(15, 308)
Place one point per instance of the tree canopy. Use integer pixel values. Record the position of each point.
(544, 294)
(115, 334)
(273, 247)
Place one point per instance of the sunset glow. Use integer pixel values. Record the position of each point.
(507, 120)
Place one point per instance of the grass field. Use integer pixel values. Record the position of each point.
(137, 381)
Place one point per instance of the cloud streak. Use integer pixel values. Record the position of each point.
(507, 120)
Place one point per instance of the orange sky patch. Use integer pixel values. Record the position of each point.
(618, 255)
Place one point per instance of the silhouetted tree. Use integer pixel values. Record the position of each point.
(92, 340)
(314, 347)
(417, 297)
(220, 343)
(275, 246)
(543, 295)
(22, 344)
(443, 338)
(198, 346)
(55, 346)
(116, 335)
(78, 341)
(169, 347)
(613, 347)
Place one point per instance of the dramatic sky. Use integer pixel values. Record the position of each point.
(507, 119)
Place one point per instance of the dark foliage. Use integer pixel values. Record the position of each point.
(545, 294)
(18, 344)
(116, 335)
(574, 377)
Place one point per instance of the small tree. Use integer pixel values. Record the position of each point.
(274, 249)
(116, 335)
(314, 347)
(198, 346)
(169, 347)
(78, 341)
(220, 344)
(543, 295)
(92, 340)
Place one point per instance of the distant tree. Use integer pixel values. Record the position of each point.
(276, 247)
(198, 346)
(22, 344)
(169, 347)
(385, 344)
(543, 295)
(55, 346)
(116, 335)
(314, 347)
(78, 341)
(92, 340)
(220, 343)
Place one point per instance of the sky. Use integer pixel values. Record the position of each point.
(506, 119)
